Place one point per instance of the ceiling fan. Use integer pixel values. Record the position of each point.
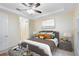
(31, 8)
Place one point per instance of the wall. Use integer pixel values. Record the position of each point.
(76, 30)
(63, 23)
(13, 28)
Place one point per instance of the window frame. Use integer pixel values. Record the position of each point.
(49, 25)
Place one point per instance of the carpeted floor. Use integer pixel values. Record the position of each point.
(4, 54)
(58, 52)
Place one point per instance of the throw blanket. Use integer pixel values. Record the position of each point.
(51, 45)
(48, 42)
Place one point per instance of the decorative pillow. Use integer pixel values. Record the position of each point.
(41, 36)
(44, 36)
(47, 36)
(53, 35)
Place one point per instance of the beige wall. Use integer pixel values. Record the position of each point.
(76, 31)
(63, 23)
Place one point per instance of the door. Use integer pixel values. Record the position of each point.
(3, 32)
(24, 26)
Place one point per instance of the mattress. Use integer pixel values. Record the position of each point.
(42, 47)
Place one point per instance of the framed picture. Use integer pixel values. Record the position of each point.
(48, 24)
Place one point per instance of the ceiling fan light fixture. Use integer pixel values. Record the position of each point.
(31, 11)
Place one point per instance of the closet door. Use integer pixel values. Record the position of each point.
(3, 32)
(24, 27)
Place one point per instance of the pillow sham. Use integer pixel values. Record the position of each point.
(48, 35)
(44, 36)
(53, 36)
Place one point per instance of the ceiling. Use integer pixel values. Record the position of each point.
(46, 8)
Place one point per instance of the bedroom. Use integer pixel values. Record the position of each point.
(43, 20)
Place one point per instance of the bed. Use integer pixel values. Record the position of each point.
(45, 46)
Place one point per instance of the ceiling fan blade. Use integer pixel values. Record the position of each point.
(24, 4)
(18, 9)
(37, 4)
(31, 3)
(21, 9)
(28, 4)
(37, 11)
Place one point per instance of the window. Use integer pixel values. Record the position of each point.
(48, 24)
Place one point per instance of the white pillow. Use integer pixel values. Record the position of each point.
(55, 40)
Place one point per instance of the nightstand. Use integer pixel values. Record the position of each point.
(65, 45)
